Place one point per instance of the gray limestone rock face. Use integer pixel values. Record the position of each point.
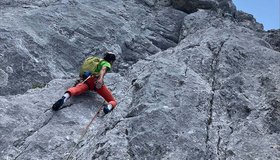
(248, 20)
(273, 38)
(188, 86)
(40, 43)
(190, 6)
(29, 3)
(30, 130)
(244, 87)
(193, 6)
(153, 3)
(3, 78)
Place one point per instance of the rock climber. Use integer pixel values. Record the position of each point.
(92, 81)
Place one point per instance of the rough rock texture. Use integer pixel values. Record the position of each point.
(248, 21)
(190, 6)
(189, 86)
(39, 43)
(273, 37)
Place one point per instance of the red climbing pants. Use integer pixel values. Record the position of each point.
(90, 85)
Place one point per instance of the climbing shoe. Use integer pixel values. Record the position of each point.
(108, 108)
(58, 104)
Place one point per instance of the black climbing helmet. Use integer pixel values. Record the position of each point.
(109, 57)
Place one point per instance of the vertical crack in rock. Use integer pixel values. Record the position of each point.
(47, 121)
(186, 70)
(22, 151)
(213, 81)
(219, 143)
(129, 147)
